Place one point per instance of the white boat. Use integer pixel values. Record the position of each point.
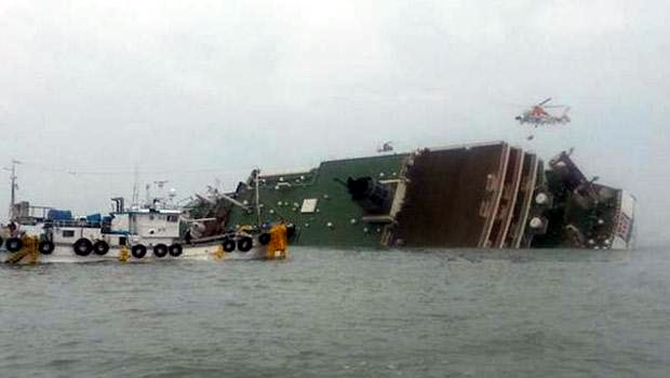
(142, 234)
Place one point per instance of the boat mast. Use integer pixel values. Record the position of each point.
(14, 187)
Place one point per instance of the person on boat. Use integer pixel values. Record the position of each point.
(245, 230)
(188, 237)
(13, 230)
(277, 248)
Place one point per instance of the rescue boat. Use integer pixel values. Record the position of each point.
(142, 234)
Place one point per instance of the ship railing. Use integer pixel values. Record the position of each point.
(72, 223)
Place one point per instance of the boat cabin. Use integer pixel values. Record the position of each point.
(147, 226)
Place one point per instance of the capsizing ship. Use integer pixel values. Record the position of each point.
(490, 195)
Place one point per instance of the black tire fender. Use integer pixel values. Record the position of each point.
(138, 251)
(228, 245)
(82, 247)
(14, 244)
(264, 238)
(160, 250)
(46, 247)
(245, 244)
(101, 248)
(175, 250)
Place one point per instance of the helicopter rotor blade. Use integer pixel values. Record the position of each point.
(544, 102)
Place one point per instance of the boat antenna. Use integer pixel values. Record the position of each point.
(161, 184)
(136, 193)
(147, 188)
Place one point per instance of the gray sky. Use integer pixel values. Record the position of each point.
(200, 92)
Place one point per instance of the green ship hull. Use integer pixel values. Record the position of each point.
(490, 195)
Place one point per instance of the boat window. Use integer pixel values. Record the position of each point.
(68, 233)
(172, 218)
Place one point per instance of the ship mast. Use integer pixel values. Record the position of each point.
(258, 205)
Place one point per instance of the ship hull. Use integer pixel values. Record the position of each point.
(64, 253)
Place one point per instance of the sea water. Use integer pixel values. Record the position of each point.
(343, 313)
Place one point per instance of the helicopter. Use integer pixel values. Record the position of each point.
(385, 147)
(536, 115)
